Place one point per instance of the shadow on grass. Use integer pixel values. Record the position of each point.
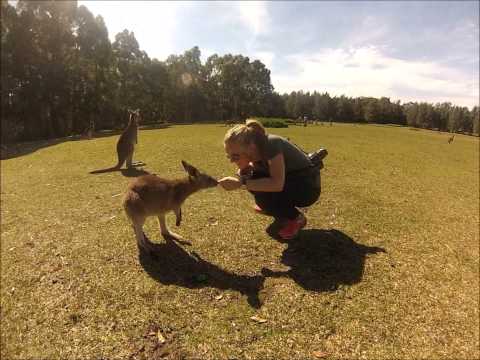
(154, 126)
(172, 265)
(10, 151)
(128, 172)
(134, 172)
(321, 260)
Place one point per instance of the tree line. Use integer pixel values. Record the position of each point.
(61, 74)
(441, 116)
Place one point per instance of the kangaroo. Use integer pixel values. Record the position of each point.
(450, 139)
(126, 144)
(150, 195)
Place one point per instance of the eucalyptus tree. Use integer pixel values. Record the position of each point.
(157, 89)
(475, 116)
(212, 83)
(40, 57)
(92, 90)
(11, 83)
(130, 64)
(186, 78)
(258, 90)
(344, 109)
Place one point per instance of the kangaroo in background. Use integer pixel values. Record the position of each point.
(126, 144)
(450, 139)
(150, 195)
(89, 131)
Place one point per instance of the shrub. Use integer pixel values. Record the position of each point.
(273, 122)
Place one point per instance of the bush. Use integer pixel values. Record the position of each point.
(273, 122)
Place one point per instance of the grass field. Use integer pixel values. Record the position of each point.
(387, 267)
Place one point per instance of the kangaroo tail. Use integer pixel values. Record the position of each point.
(113, 168)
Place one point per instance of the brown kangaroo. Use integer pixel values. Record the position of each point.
(450, 139)
(126, 144)
(90, 131)
(150, 195)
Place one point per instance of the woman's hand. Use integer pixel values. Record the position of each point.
(230, 183)
(247, 170)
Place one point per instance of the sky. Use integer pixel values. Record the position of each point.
(404, 50)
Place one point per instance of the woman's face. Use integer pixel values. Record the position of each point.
(238, 154)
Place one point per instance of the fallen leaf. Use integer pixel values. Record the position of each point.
(319, 354)
(258, 319)
(160, 337)
(212, 221)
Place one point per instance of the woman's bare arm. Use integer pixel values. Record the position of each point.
(275, 182)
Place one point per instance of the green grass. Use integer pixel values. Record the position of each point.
(73, 285)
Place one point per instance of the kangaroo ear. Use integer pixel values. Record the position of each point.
(190, 169)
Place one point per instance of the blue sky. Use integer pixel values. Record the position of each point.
(408, 51)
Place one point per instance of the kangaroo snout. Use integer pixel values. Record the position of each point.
(203, 180)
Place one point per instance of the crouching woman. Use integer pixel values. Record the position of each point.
(280, 175)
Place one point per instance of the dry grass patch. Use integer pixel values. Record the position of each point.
(387, 267)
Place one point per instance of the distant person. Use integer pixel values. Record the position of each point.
(276, 172)
(305, 121)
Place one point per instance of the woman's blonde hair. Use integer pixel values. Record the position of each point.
(252, 132)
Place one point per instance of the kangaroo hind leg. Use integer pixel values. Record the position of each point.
(166, 233)
(131, 163)
(142, 240)
(129, 158)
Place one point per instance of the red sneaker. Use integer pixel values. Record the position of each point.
(291, 227)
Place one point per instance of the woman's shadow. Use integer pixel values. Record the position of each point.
(169, 263)
(321, 260)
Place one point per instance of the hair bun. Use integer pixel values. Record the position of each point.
(256, 126)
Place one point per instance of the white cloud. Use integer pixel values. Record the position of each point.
(159, 24)
(366, 71)
(153, 22)
(254, 14)
(266, 57)
(371, 30)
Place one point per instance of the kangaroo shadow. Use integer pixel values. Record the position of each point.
(134, 172)
(170, 264)
(321, 260)
(128, 172)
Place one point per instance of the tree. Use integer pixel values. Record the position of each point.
(475, 115)
(372, 111)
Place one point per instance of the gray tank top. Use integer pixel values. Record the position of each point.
(295, 158)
